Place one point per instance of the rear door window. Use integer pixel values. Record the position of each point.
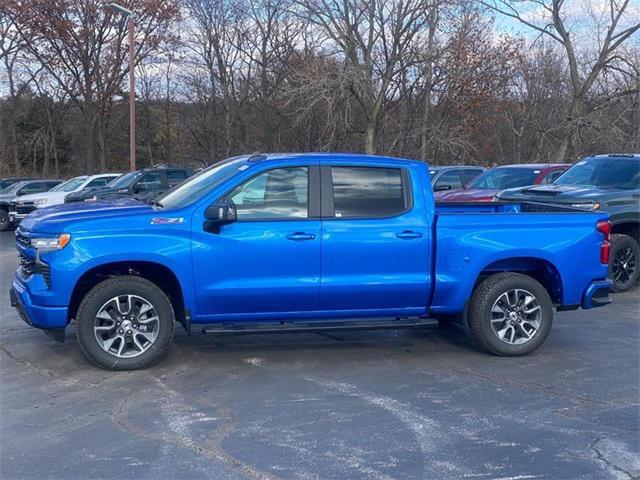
(368, 192)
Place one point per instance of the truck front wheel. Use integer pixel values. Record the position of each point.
(510, 314)
(125, 323)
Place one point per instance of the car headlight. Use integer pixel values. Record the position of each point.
(92, 199)
(40, 201)
(587, 205)
(51, 243)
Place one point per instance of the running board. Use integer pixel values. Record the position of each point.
(288, 327)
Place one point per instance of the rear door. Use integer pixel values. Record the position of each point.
(375, 240)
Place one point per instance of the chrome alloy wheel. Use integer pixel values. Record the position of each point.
(126, 326)
(516, 316)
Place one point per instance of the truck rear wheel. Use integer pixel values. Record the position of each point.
(623, 262)
(125, 323)
(510, 314)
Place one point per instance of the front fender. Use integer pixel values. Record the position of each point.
(171, 249)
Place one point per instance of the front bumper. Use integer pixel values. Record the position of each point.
(15, 217)
(39, 316)
(597, 294)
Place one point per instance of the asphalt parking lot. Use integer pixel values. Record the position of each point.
(374, 405)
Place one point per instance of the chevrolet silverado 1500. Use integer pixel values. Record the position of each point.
(302, 243)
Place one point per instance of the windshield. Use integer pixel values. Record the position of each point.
(505, 177)
(432, 173)
(604, 173)
(202, 183)
(13, 188)
(69, 185)
(125, 180)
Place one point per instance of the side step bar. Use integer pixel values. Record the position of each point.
(288, 327)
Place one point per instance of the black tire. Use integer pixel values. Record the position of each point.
(623, 246)
(102, 293)
(4, 220)
(482, 302)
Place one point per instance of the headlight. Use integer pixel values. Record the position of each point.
(41, 201)
(51, 243)
(587, 205)
(92, 199)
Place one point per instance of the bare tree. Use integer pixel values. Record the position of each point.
(611, 33)
(373, 37)
(82, 46)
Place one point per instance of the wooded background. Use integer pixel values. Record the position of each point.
(450, 81)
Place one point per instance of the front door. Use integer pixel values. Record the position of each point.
(267, 263)
(376, 242)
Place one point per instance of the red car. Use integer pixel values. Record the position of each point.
(484, 187)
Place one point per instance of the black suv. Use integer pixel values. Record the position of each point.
(144, 185)
(603, 182)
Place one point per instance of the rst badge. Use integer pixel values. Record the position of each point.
(166, 220)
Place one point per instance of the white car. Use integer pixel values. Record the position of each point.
(26, 204)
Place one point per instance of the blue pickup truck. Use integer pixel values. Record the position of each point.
(302, 243)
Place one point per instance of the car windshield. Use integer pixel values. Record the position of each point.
(125, 180)
(69, 185)
(202, 183)
(505, 177)
(603, 172)
(432, 173)
(13, 188)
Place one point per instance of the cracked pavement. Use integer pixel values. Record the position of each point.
(349, 405)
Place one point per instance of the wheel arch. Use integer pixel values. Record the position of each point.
(631, 228)
(157, 273)
(540, 269)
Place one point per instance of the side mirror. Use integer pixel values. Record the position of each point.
(442, 187)
(219, 214)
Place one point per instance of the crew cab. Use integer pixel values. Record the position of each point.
(23, 206)
(304, 242)
(609, 183)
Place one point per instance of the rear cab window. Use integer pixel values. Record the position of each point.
(369, 192)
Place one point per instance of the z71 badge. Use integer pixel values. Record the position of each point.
(166, 220)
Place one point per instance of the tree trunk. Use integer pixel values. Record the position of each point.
(370, 138)
(576, 113)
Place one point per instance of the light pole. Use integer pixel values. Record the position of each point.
(132, 82)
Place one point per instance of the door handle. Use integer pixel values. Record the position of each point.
(408, 234)
(300, 236)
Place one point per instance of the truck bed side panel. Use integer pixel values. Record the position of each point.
(468, 243)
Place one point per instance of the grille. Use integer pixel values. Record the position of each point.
(27, 264)
(29, 267)
(24, 209)
(22, 239)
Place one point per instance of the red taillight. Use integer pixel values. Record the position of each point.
(604, 227)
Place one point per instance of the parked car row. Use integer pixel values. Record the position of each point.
(22, 196)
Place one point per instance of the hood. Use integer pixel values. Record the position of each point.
(64, 217)
(97, 191)
(556, 193)
(466, 195)
(7, 197)
(53, 196)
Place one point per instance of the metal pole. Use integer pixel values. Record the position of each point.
(132, 96)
